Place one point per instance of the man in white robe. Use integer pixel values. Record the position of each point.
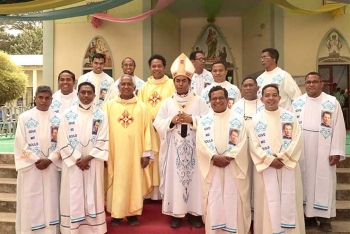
(248, 106)
(278, 204)
(98, 78)
(128, 67)
(219, 71)
(201, 77)
(37, 166)
(176, 124)
(66, 96)
(83, 150)
(223, 168)
(324, 145)
(273, 74)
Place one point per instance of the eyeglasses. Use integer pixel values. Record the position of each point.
(203, 60)
(217, 99)
(309, 82)
(264, 58)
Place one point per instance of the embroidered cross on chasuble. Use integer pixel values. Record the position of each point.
(125, 119)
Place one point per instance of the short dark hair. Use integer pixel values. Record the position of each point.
(313, 74)
(234, 130)
(219, 62)
(272, 52)
(99, 56)
(249, 78)
(287, 124)
(86, 83)
(189, 80)
(43, 88)
(326, 113)
(66, 71)
(156, 56)
(270, 86)
(193, 54)
(217, 88)
(130, 59)
(103, 89)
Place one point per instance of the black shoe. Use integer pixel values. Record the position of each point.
(195, 221)
(133, 221)
(115, 222)
(176, 222)
(326, 227)
(310, 223)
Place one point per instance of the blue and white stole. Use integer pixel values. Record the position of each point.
(57, 103)
(206, 79)
(104, 84)
(323, 171)
(223, 207)
(278, 79)
(282, 206)
(232, 93)
(81, 193)
(34, 179)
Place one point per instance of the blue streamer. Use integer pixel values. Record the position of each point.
(70, 12)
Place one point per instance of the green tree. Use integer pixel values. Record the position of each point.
(28, 42)
(6, 40)
(13, 81)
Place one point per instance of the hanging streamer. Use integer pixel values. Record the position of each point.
(70, 12)
(161, 4)
(324, 8)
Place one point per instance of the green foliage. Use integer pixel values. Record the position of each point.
(28, 42)
(13, 81)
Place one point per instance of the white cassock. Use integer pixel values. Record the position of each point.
(248, 108)
(278, 204)
(82, 192)
(114, 92)
(225, 191)
(200, 81)
(100, 81)
(233, 91)
(179, 169)
(61, 102)
(37, 190)
(319, 178)
(288, 89)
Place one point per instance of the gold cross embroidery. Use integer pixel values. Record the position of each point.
(125, 119)
(154, 99)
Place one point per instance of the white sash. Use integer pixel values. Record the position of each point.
(81, 182)
(282, 207)
(104, 84)
(36, 190)
(223, 207)
(278, 79)
(232, 93)
(323, 171)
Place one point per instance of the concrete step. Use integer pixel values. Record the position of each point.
(7, 223)
(8, 171)
(345, 163)
(7, 158)
(343, 192)
(343, 211)
(8, 202)
(8, 185)
(338, 227)
(343, 175)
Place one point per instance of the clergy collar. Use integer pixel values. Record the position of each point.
(67, 95)
(219, 83)
(131, 100)
(222, 113)
(85, 107)
(159, 81)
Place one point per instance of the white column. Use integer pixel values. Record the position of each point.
(48, 45)
(35, 81)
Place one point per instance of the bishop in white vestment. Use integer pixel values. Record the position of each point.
(223, 164)
(324, 135)
(176, 124)
(278, 206)
(102, 81)
(83, 149)
(37, 166)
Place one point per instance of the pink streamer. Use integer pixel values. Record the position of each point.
(161, 4)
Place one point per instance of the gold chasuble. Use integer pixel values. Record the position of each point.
(153, 93)
(130, 136)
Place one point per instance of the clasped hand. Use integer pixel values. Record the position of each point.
(83, 162)
(181, 118)
(277, 163)
(221, 161)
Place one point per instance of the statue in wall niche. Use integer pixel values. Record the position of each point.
(334, 45)
(212, 43)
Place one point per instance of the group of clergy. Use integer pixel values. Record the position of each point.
(259, 160)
